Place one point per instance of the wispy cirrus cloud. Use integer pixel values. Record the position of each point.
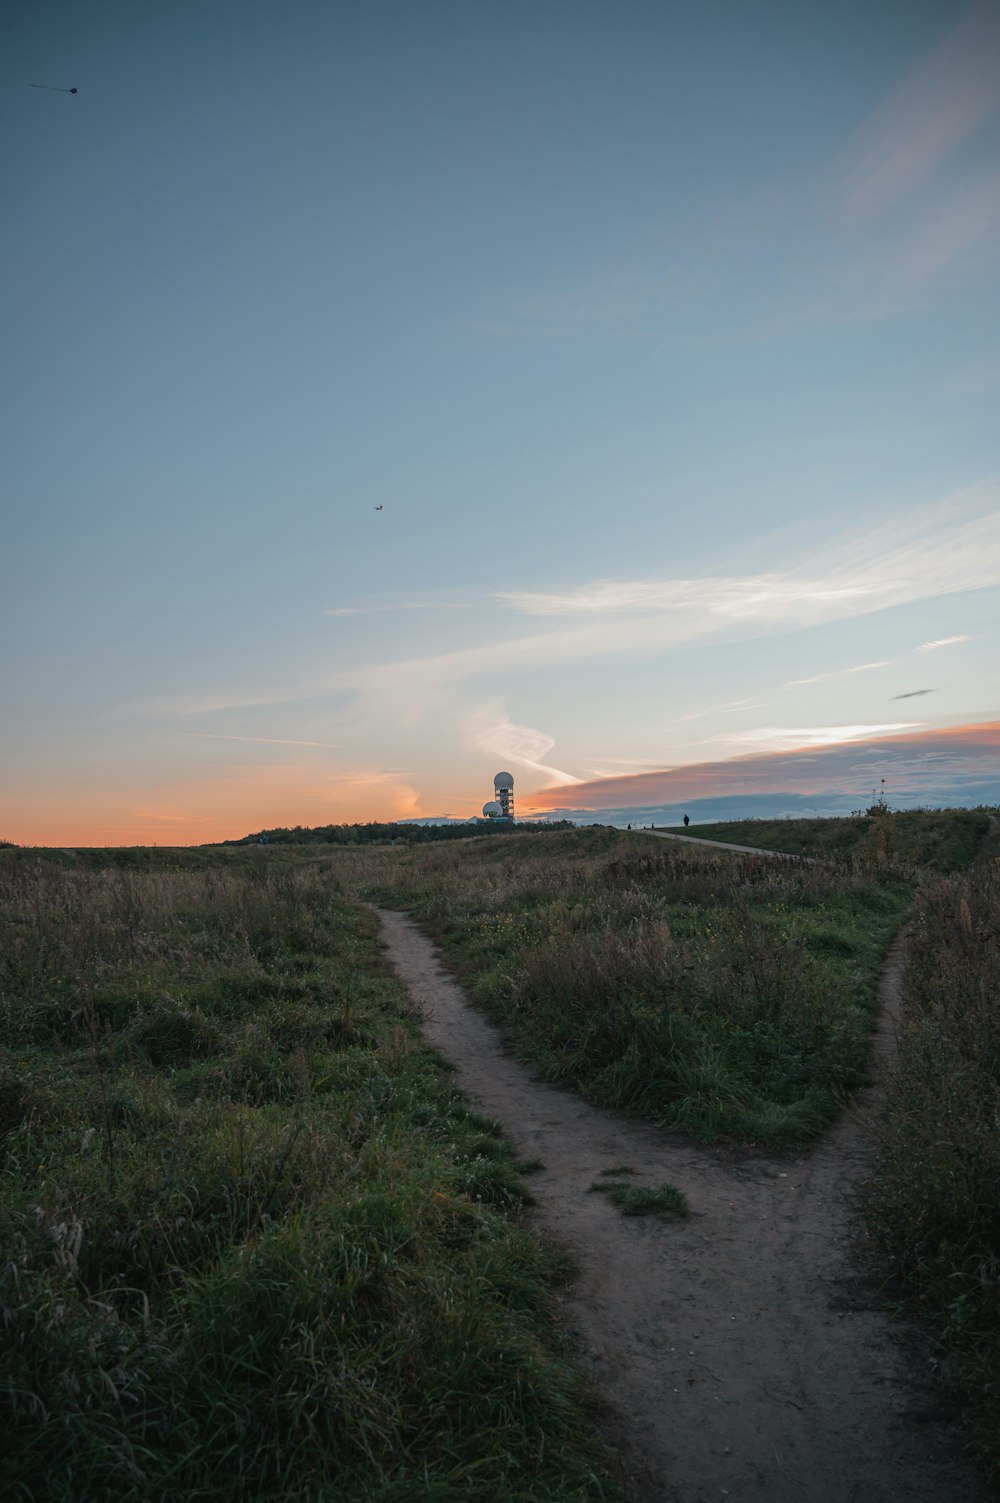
(822, 678)
(790, 738)
(910, 196)
(932, 112)
(942, 642)
(954, 545)
(948, 547)
(768, 596)
(490, 730)
(259, 740)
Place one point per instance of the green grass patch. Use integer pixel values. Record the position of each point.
(725, 996)
(252, 1243)
(939, 840)
(644, 1200)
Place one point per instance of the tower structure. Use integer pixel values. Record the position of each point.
(503, 787)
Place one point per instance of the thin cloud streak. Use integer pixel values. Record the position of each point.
(932, 112)
(953, 546)
(646, 763)
(942, 642)
(948, 232)
(260, 740)
(788, 738)
(822, 678)
(764, 596)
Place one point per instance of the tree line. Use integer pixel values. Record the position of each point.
(376, 832)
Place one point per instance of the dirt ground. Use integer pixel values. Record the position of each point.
(737, 1358)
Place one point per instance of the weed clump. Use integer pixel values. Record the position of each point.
(644, 1200)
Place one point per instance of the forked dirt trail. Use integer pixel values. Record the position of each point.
(733, 1358)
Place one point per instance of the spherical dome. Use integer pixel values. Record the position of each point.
(491, 809)
(503, 780)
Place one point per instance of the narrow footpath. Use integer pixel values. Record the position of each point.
(734, 1353)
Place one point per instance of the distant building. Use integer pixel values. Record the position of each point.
(500, 809)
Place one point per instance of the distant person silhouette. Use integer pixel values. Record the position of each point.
(686, 821)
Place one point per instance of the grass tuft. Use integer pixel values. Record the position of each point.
(644, 1200)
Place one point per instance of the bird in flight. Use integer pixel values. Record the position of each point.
(378, 508)
(54, 87)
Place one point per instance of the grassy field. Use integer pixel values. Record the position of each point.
(731, 997)
(923, 840)
(725, 996)
(253, 1246)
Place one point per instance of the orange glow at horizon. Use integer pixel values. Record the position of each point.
(222, 806)
(232, 801)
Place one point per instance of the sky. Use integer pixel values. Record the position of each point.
(397, 393)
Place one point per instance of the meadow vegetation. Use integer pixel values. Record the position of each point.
(253, 1244)
(725, 996)
(732, 997)
(933, 1202)
(921, 840)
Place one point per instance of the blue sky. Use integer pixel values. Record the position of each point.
(665, 336)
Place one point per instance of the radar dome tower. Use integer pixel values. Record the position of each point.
(503, 787)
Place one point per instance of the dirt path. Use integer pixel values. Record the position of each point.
(736, 1362)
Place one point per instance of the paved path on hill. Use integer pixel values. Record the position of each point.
(736, 1355)
(720, 845)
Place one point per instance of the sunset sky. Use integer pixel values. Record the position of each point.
(667, 338)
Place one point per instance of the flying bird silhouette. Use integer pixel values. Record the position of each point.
(54, 87)
(378, 508)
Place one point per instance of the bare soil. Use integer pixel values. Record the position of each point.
(737, 1352)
